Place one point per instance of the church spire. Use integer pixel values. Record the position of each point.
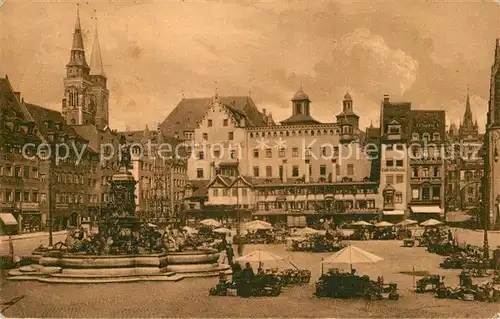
(468, 112)
(96, 67)
(77, 35)
(77, 57)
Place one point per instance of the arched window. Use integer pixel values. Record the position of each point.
(468, 176)
(414, 136)
(426, 137)
(436, 137)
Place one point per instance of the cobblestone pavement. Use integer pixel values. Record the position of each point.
(189, 298)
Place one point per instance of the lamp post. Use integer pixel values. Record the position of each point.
(47, 199)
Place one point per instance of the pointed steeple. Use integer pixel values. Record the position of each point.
(77, 57)
(96, 67)
(77, 35)
(468, 112)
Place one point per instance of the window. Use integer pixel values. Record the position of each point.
(232, 154)
(269, 171)
(415, 193)
(394, 129)
(399, 163)
(282, 152)
(17, 171)
(425, 193)
(337, 169)
(295, 152)
(244, 192)
(199, 173)
(390, 179)
(350, 169)
(436, 192)
(414, 136)
(389, 163)
(470, 190)
(217, 154)
(436, 171)
(34, 197)
(17, 196)
(209, 123)
(256, 171)
(295, 171)
(400, 147)
(398, 198)
(425, 172)
(269, 153)
(8, 195)
(255, 153)
(205, 136)
(323, 151)
(225, 122)
(389, 147)
(26, 196)
(335, 151)
(436, 137)
(426, 137)
(201, 155)
(26, 172)
(322, 170)
(8, 170)
(225, 192)
(414, 172)
(230, 136)
(215, 192)
(399, 178)
(234, 192)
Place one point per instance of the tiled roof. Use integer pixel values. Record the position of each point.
(373, 132)
(41, 115)
(189, 112)
(8, 103)
(199, 188)
(300, 119)
(436, 118)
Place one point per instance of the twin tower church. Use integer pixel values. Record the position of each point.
(85, 100)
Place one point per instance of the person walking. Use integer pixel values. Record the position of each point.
(229, 254)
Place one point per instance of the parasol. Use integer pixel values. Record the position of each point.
(211, 222)
(361, 223)
(258, 224)
(305, 231)
(259, 256)
(190, 230)
(152, 225)
(222, 230)
(384, 224)
(431, 223)
(352, 255)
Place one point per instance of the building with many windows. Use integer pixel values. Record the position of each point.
(293, 171)
(20, 183)
(426, 149)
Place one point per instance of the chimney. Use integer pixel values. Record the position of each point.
(386, 98)
(264, 112)
(18, 95)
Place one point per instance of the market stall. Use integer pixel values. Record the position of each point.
(337, 284)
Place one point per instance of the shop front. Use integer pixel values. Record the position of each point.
(8, 224)
(423, 213)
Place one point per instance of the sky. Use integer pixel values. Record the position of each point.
(157, 52)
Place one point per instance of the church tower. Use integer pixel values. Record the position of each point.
(348, 121)
(468, 129)
(98, 104)
(77, 82)
(85, 99)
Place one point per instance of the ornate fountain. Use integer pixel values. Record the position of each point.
(123, 250)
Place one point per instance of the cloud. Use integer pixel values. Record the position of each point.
(395, 63)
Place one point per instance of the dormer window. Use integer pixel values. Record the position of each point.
(394, 129)
(426, 137)
(414, 136)
(436, 137)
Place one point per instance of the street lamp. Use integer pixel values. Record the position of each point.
(47, 199)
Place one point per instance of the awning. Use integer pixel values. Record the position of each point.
(394, 212)
(8, 219)
(426, 209)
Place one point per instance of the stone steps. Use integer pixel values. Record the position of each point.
(103, 276)
(88, 280)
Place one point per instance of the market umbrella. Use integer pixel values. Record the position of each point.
(152, 225)
(258, 224)
(259, 256)
(407, 222)
(352, 255)
(431, 223)
(211, 222)
(384, 224)
(361, 223)
(222, 230)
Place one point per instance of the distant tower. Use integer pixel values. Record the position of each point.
(347, 120)
(85, 99)
(77, 82)
(301, 103)
(468, 127)
(100, 93)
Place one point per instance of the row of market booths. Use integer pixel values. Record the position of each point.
(334, 283)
